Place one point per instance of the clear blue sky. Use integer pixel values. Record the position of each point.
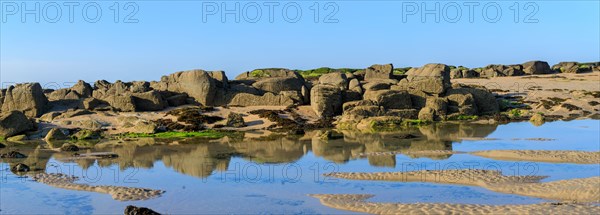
(172, 36)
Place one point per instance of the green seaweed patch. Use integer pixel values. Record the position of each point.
(210, 134)
(315, 73)
(258, 73)
(464, 117)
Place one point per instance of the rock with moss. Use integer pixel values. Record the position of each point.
(571, 67)
(235, 120)
(17, 138)
(86, 134)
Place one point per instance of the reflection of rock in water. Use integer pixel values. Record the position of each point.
(37, 158)
(382, 160)
(280, 150)
(456, 131)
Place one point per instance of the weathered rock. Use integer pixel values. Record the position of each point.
(485, 101)
(354, 85)
(13, 123)
(145, 127)
(235, 120)
(124, 103)
(268, 99)
(389, 99)
(431, 78)
(349, 105)
(56, 134)
(337, 79)
(28, 98)
(358, 113)
(133, 210)
(403, 113)
(439, 107)
(326, 100)
(496, 70)
(63, 94)
(92, 104)
(536, 67)
(149, 101)
(220, 78)
(83, 89)
(571, 67)
(379, 72)
(138, 86)
(277, 85)
(196, 83)
(462, 103)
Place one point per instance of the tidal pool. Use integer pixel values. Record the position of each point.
(276, 175)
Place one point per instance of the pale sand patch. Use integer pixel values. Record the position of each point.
(416, 153)
(357, 203)
(117, 192)
(579, 190)
(580, 157)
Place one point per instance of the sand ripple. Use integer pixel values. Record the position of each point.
(357, 203)
(580, 157)
(117, 192)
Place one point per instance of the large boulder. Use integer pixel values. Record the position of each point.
(235, 120)
(484, 99)
(279, 84)
(431, 78)
(337, 79)
(56, 134)
(379, 84)
(496, 70)
(149, 101)
(285, 98)
(571, 67)
(326, 100)
(435, 109)
(389, 99)
(83, 89)
(358, 113)
(198, 84)
(536, 67)
(124, 103)
(13, 123)
(461, 103)
(379, 72)
(28, 98)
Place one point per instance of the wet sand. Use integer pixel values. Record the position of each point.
(117, 192)
(578, 190)
(357, 203)
(579, 157)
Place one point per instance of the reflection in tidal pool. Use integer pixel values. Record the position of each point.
(277, 174)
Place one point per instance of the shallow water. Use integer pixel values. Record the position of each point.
(275, 176)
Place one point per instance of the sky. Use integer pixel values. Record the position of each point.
(144, 40)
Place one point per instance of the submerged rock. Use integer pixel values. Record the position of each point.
(13, 154)
(20, 168)
(133, 210)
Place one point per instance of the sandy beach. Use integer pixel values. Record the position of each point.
(579, 157)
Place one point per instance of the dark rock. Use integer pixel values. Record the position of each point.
(56, 134)
(69, 148)
(177, 100)
(133, 210)
(536, 67)
(124, 103)
(13, 154)
(149, 101)
(20, 168)
(235, 120)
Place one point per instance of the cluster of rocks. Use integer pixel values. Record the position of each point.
(421, 93)
(527, 68)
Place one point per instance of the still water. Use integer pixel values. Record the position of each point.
(276, 175)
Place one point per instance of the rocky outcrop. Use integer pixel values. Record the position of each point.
(389, 99)
(495, 70)
(235, 120)
(431, 78)
(571, 67)
(13, 123)
(484, 100)
(337, 79)
(268, 73)
(379, 72)
(27, 98)
(326, 100)
(149, 101)
(536, 68)
(124, 103)
(279, 84)
(220, 78)
(197, 84)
